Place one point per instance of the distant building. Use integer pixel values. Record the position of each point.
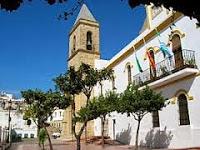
(17, 123)
(56, 119)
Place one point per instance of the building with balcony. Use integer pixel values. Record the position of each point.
(165, 56)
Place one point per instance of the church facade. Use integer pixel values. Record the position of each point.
(165, 56)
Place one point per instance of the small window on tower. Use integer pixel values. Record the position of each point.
(74, 43)
(89, 40)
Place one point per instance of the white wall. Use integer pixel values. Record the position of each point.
(172, 135)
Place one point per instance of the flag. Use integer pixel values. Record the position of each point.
(138, 64)
(164, 49)
(151, 60)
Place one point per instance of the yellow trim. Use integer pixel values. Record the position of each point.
(128, 63)
(147, 38)
(181, 91)
(176, 31)
(149, 16)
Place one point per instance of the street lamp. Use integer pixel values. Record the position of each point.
(9, 119)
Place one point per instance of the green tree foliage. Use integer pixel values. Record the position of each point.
(99, 107)
(41, 105)
(79, 81)
(12, 5)
(138, 102)
(42, 137)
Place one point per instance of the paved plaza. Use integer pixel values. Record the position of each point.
(67, 146)
(61, 145)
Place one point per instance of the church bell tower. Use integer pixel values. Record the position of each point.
(83, 48)
(84, 39)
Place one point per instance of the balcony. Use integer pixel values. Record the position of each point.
(173, 68)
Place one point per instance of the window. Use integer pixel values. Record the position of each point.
(32, 135)
(55, 114)
(155, 119)
(183, 110)
(19, 135)
(74, 43)
(25, 135)
(60, 113)
(177, 50)
(129, 73)
(89, 40)
(28, 122)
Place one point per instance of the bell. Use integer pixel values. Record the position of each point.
(89, 42)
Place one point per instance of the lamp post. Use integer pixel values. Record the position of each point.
(9, 120)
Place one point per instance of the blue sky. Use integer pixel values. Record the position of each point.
(34, 43)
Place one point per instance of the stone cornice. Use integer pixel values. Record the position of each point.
(84, 51)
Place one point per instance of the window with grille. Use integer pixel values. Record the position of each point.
(183, 110)
(155, 119)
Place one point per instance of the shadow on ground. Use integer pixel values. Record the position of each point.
(157, 139)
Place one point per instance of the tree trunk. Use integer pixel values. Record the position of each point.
(101, 88)
(102, 130)
(78, 143)
(38, 130)
(137, 134)
(86, 133)
(73, 116)
(88, 98)
(49, 139)
(42, 146)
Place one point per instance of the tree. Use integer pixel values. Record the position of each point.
(138, 103)
(99, 107)
(41, 105)
(107, 104)
(188, 8)
(75, 82)
(42, 137)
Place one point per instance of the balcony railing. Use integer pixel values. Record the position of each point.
(180, 60)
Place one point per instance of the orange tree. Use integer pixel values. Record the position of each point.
(138, 103)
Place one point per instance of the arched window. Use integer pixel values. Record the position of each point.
(89, 40)
(74, 43)
(177, 50)
(183, 110)
(129, 73)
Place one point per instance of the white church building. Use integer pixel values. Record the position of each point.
(166, 57)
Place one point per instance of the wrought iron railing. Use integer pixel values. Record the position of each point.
(180, 60)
